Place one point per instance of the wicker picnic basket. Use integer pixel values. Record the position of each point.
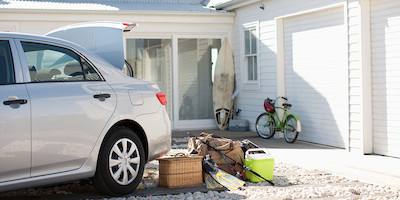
(180, 171)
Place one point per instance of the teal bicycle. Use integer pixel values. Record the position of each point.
(266, 125)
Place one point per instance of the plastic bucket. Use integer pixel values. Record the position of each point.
(260, 161)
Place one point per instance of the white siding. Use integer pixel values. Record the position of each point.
(354, 60)
(250, 99)
(385, 32)
(316, 74)
(151, 24)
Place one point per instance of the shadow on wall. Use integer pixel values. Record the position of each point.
(315, 75)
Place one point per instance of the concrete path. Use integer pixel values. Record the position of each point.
(366, 168)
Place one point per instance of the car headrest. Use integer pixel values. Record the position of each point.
(73, 69)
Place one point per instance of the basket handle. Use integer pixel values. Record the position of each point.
(178, 155)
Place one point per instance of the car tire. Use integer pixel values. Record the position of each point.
(120, 164)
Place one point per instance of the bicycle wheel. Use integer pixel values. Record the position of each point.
(290, 131)
(265, 126)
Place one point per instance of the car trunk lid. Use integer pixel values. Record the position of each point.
(103, 38)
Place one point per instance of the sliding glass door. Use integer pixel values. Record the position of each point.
(183, 68)
(195, 78)
(151, 59)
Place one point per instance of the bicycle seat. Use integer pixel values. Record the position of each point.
(287, 105)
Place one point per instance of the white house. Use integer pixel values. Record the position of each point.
(337, 61)
(174, 43)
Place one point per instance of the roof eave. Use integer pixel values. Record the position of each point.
(147, 12)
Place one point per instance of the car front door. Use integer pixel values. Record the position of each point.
(15, 132)
(71, 104)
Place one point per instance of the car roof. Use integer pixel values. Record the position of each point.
(87, 53)
(40, 38)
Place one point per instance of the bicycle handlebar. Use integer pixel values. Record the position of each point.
(272, 101)
(278, 98)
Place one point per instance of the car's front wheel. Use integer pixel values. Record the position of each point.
(120, 164)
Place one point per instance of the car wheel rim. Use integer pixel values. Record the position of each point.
(124, 161)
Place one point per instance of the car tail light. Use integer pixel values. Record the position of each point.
(162, 98)
(129, 26)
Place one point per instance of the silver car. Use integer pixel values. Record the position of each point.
(66, 114)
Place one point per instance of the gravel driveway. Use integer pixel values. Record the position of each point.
(291, 182)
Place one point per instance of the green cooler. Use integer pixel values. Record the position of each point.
(260, 161)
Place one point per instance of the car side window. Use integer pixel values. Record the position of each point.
(6, 64)
(50, 63)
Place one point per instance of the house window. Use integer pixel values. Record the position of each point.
(250, 54)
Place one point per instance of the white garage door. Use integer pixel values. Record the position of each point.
(385, 33)
(316, 75)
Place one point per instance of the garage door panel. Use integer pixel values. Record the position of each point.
(308, 22)
(382, 72)
(384, 100)
(391, 132)
(315, 75)
(321, 137)
(388, 147)
(383, 105)
(394, 115)
(385, 40)
(389, 122)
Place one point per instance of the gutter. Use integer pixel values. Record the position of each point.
(234, 4)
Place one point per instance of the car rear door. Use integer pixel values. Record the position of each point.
(71, 104)
(15, 132)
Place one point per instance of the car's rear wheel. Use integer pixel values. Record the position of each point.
(121, 163)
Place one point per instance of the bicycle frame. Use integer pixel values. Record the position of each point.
(280, 124)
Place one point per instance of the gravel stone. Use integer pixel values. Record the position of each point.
(291, 182)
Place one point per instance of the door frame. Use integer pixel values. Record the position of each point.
(176, 123)
(280, 60)
(187, 124)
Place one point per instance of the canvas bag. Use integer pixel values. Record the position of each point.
(226, 146)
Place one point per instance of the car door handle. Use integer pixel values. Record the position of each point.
(15, 101)
(101, 96)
